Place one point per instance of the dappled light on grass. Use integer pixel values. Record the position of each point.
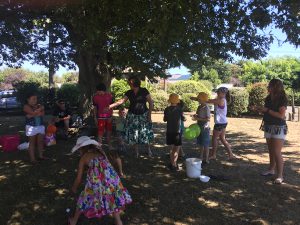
(2, 178)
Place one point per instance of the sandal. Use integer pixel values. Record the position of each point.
(268, 173)
(278, 180)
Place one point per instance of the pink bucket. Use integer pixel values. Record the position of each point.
(10, 143)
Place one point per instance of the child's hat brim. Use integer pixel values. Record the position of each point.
(84, 141)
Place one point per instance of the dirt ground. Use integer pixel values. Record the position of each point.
(39, 195)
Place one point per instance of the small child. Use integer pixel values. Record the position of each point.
(104, 193)
(103, 117)
(173, 116)
(202, 117)
(120, 127)
(181, 105)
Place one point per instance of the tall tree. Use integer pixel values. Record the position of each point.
(103, 38)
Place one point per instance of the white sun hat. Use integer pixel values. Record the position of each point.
(84, 141)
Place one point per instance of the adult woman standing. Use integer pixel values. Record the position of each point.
(138, 128)
(275, 128)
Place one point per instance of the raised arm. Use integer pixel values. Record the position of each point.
(119, 102)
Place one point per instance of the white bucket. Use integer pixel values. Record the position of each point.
(193, 167)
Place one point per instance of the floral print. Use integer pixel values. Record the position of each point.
(103, 193)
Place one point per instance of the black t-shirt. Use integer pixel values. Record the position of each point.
(61, 113)
(138, 101)
(173, 117)
(271, 120)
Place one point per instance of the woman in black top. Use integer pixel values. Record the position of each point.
(275, 128)
(138, 127)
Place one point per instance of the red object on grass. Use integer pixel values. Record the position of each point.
(10, 143)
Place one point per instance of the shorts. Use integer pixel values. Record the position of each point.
(220, 126)
(204, 139)
(34, 130)
(174, 139)
(104, 125)
(281, 135)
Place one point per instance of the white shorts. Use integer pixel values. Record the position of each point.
(281, 135)
(32, 131)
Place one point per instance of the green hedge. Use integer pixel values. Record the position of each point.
(189, 105)
(70, 93)
(257, 94)
(239, 102)
(160, 99)
(187, 86)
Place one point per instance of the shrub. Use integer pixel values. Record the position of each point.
(187, 86)
(257, 94)
(239, 102)
(118, 88)
(23, 89)
(160, 99)
(70, 93)
(208, 84)
(189, 105)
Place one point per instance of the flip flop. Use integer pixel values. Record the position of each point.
(278, 180)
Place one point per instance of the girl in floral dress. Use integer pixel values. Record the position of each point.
(104, 193)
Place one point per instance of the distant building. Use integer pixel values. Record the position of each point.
(173, 79)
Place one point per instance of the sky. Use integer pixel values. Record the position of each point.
(277, 49)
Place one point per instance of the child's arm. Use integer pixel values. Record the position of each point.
(216, 101)
(32, 113)
(165, 115)
(79, 175)
(206, 119)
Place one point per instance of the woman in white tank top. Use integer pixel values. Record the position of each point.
(220, 123)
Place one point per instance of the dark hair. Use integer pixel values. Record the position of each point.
(278, 97)
(134, 81)
(30, 94)
(101, 87)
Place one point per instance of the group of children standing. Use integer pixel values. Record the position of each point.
(174, 117)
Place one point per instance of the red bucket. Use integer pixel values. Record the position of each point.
(10, 143)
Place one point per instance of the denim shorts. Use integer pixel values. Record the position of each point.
(220, 126)
(204, 139)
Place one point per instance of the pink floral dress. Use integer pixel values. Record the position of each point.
(103, 193)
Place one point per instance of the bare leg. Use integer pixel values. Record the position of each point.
(32, 143)
(277, 147)
(215, 137)
(174, 155)
(40, 144)
(271, 155)
(201, 152)
(74, 219)
(117, 218)
(206, 150)
(150, 154)
(226, 144)
(108, 138)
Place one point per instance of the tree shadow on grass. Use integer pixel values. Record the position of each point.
(39, 195)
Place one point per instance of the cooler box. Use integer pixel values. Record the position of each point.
(10, 143)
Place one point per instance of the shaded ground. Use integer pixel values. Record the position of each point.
(39, 195)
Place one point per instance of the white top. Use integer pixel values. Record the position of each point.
(221, 113)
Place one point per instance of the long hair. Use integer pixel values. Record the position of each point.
(277, 95)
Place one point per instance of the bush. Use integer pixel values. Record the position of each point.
(23, 89)
(208, 84)
(70, 93)
(189, 105)
(289, 93)
(118, 88)
(257, 94)
(187, 86)
(160, 99)
(239, 102)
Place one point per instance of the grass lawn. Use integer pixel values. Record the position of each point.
(39, 195)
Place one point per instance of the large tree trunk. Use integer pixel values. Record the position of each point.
(91, 72)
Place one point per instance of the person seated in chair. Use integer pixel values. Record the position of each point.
(62, 117)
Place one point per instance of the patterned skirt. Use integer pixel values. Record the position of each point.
(138, 130)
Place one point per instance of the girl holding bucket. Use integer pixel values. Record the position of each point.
(219, 131)
(202, 117)
(35, 129)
